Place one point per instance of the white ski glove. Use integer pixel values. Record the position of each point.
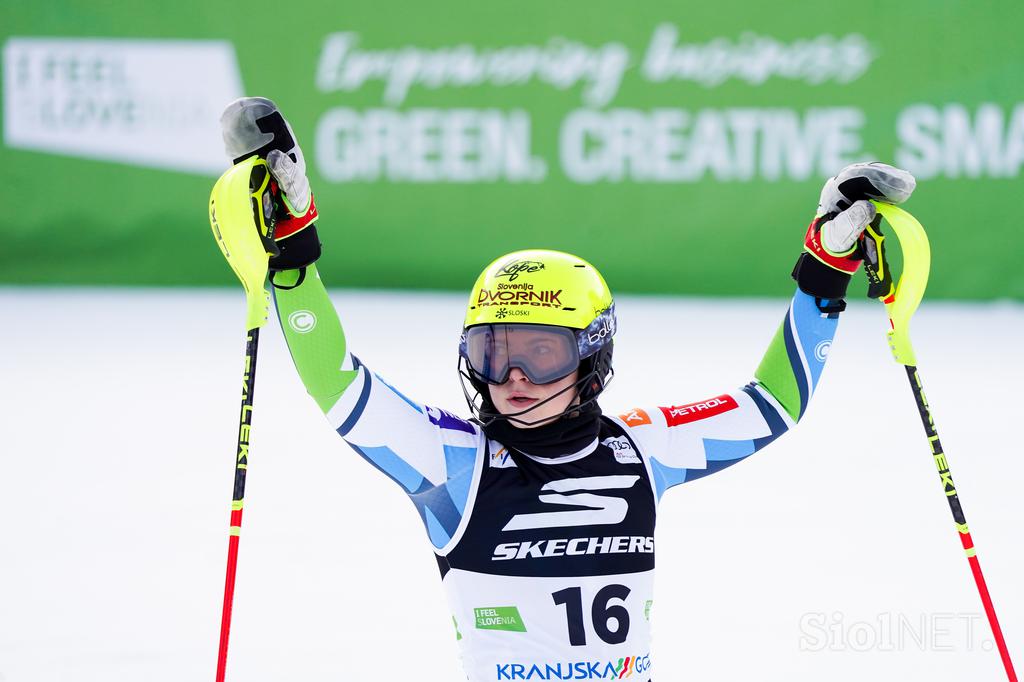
(840, 234)
(845, 231)
(847, 193)
(254, 125)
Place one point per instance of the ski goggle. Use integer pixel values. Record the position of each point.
(544, 353)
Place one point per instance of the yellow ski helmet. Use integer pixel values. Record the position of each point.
(538, 287)
(529, 293)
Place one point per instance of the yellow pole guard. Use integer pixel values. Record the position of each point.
(237, 230)
(913, 280)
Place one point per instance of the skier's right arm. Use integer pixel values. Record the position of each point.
(253, 125)
(423, 449)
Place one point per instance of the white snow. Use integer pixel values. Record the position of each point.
(119, 417)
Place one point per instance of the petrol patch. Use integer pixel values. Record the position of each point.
(684, 414)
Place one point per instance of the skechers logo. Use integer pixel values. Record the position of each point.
(544, 549)
(594, 509)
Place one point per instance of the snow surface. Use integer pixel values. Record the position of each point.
(830, 555)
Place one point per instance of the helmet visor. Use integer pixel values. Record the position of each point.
(544, 353)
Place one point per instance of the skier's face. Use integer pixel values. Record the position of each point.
(519, 393)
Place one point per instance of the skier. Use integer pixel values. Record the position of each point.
(541, 509)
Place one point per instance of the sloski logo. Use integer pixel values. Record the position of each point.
(622, 449)
(594, 509)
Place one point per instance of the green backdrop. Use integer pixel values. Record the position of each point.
(679, 146)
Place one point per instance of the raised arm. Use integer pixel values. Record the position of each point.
(431, 454)
(687, 442)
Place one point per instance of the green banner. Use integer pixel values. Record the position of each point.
(678, 147)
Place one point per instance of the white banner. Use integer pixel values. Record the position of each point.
(153, 103)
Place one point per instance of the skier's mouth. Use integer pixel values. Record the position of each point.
(522, 401)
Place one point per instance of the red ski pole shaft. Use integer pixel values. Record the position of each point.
(958, 517)
(241, 464)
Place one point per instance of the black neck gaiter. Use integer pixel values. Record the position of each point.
(561, 437)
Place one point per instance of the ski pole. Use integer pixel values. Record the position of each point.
(240, 202)
(901, 304)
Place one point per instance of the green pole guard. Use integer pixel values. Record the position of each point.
(913, 280)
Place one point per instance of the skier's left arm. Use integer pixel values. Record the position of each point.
(689, 441)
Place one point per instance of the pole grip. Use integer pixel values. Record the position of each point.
(912, 282)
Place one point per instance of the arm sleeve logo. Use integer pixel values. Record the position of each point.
(684, 414)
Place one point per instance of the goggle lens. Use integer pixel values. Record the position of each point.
(545, 354)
